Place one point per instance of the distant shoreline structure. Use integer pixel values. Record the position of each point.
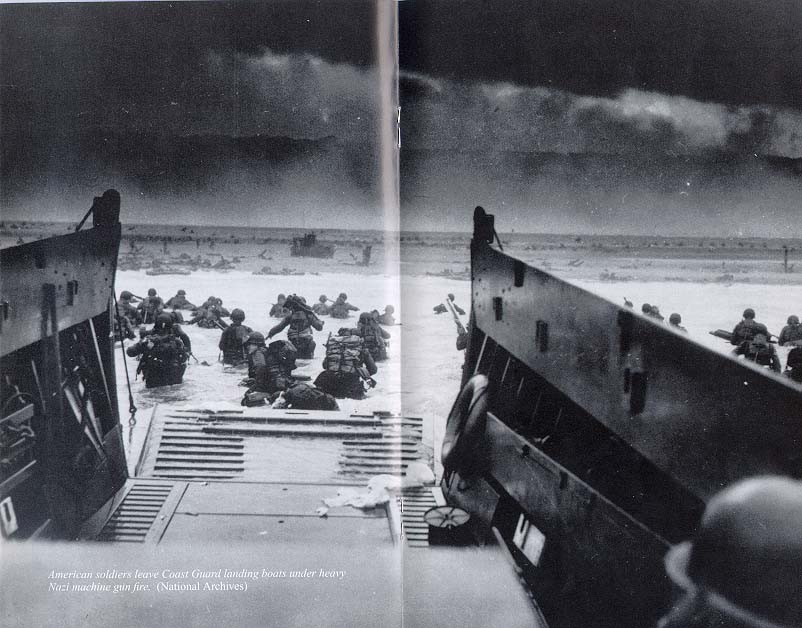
(179, 232)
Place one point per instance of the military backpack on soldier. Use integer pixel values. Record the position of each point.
(344, 354)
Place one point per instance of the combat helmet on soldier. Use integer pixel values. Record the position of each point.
(743, 567)
(748, 328)
(233, 339)
(674, 320)
(791, 334)
(164, 355)
(321, 307)
(255, 338)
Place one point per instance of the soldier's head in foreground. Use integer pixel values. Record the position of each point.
(793, 320)
(152, 292)
(164, 323)
(254, 341)
(749, 313)
(237, 315)
(743, 568)
(322, 298)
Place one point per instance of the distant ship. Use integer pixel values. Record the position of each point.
(308, 246)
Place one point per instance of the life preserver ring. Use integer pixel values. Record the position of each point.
(466, 424)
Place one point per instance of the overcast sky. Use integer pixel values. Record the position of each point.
(95, 95)
(609, 116)
(685, 112)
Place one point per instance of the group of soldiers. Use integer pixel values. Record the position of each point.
(653, 311)
(753, 341)
(349, 363)
(348, 366)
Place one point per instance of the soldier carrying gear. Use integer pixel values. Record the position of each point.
(233, 338)
(164, 357)
(127, 317)
(179, 301)
(150, 307)
(270, 367)
(759, 350)
(341, 307)
(209, 315)
(278, 310)
(748, 328)
(374, 337)
(300, 323)
(791, 334)
(442, 309)
(742, 568)
(321, 307)
(346, 364)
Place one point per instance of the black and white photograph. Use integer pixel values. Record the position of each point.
(401, 313)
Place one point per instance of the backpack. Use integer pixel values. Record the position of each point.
(306, 397)
(344, 354)
(760, 352)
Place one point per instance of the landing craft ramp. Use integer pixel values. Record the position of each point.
(250, 473)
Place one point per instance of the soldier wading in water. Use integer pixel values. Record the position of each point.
(347, 364)
(164, 357)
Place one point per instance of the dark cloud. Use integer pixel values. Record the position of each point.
(739, 52)
(439, 114)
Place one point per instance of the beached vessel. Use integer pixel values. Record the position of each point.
(308, 246)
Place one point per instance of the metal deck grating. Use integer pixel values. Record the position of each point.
(136, 513)
(202, 444)
(413, 503)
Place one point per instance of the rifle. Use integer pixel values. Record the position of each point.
(727, 335)
(460, 327)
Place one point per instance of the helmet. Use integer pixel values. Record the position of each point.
(645, 308)
(747, 555)
(152, 292)
(793, 320)
(343, 296)
(237, 315)
(322, 298)
(163, 321)
(281, 297)
(182, 293)
(450, 297)
(749, 313)
(255, 338)
(389, 309)
(126, 295)
(675, 319)
(365, 317)
(303, 299)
